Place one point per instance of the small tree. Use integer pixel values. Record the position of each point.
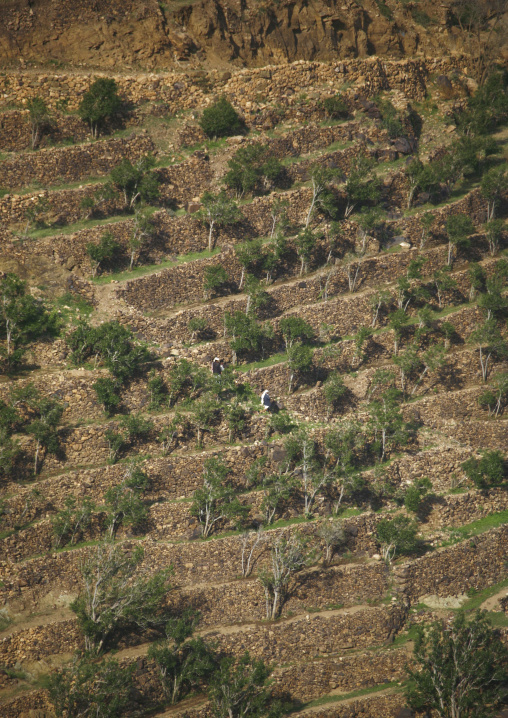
(340, 460)
(332, 534)
(90, 689)
(443, 282)
(215, 278)
(397, 535)
(197, 326)
(39, 118)
(278, 214)
(22, 319)
(245, 332)
(136, 182)
(72, 521)
(124, 502)
(106, 250)
(236, 417)
(487, 471)
(301, 453)
(288, 557)
(182, 664)
(253, 168)
(490, 343)
(459, 227)
(295, 329)
(378, 301)
(361, 185)
(116, 442)
(432, 360)
(477, 278)
(220, 119)
(321, 179)
(397, 322)
(168, 434)
(352, 264)
(248, 255)
(426, 221)
(368, 220)
(116, 595)
(215, 500)
(142, 231)
(413, 171)
(460, 668)
(305, 243)
(415, 494)
(157, 390)
(494, 230)
(496, 397)
(239, 689)
(360, 339)
(277, 490)
(250, 541)
(257, 296)
(386, 421)
(494, 183)
(334, 390)
(217, 211)
(494, 302)
(106, 390)
(99, 103)
(300, 358)
(44, 428)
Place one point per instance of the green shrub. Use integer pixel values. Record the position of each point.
(99, 103)
(221, 119)
(488, 471)
(106, 390)
(336, 107)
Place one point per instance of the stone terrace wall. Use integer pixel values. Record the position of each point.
(312, 635)
(15, 132)
(162, 290)
(171, 477)
(344, 674)
(219, 560)
(309, 636)
(474, 563)
(182, 91)
(70, 164)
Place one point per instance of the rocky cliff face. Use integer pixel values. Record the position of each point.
(97, 33)
(213, 33)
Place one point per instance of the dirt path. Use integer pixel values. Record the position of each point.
(347, 701)
(492, 603)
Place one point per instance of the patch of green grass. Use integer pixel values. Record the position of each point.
(476, 528)
(421, 17)
(69, 303)
(5, 619)
(151, 268)
(12, 673)
(324, 700)
(384, 9)
(473, 603)
(269, 361)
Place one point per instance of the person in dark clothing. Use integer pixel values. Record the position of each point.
(216, 367)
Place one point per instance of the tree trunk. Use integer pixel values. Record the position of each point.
(210, 236)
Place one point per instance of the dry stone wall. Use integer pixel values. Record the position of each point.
(70, 164)
(15, 131)
(344, 674)
(475, 563)
(182, 90)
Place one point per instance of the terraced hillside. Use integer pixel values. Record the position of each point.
(359, 277)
